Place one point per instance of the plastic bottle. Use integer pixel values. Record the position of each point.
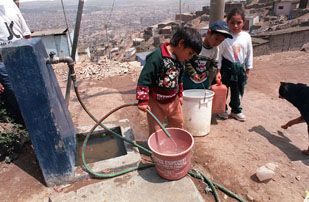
(219, 100)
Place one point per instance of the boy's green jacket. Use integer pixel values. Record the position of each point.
(160, 77)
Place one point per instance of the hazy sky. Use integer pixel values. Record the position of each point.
(33, 0)
(109, 1)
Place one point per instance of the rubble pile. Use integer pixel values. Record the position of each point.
(85, 69)
(107, 68)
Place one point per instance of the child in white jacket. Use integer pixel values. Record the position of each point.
(235, 61)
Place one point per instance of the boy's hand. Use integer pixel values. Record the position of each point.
(143, 107)
(203, 76)
(196, 77)
(247, 74)
(218, 76)
(181, 100)
(1, 88)
(200, 77)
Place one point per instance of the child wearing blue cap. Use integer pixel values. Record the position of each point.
(201, 69)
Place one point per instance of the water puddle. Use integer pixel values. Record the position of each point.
(100, 146)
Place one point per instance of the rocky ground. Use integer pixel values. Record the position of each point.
(229, 154)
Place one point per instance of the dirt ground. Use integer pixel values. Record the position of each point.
(229, 155)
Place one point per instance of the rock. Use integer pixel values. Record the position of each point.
(250, 198)
(114, 50)
(297, 178)
(130, 52)
(137, 41)
(263, 173)
(271, 166)
(305, 47)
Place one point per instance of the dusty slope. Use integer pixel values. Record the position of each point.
(229, 155)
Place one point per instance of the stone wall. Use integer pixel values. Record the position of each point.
(258, 5)
(262, 49)
(231, 5)
(283, 40)
(295, 13)
(265, 1)
(184, 17)
(288, 41)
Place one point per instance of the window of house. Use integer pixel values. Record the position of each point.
(280, 7)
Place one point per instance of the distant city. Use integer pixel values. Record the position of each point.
(122, 17)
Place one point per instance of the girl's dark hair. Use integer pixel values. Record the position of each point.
(191, 37)
(236, 11)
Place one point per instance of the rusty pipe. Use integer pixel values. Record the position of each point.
(69, 60)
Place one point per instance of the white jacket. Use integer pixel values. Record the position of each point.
(12, 24)
(239, 49)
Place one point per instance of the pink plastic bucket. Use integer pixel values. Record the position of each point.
(172, 156)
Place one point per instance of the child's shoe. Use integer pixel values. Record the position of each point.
(223, 115)
(240, 116)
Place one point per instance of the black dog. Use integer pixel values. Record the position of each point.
(298, 95)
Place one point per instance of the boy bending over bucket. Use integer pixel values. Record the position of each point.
(159, 86)
(201, 70)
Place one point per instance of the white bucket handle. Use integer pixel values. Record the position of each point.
(204, 101)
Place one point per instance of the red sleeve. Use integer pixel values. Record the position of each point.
(142, 95)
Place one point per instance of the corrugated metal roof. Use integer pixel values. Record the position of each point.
(283, 31)
(48, 32)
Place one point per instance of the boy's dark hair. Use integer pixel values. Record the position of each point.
(236, 11)
(191, 37)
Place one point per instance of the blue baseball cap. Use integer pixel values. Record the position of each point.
(221, 27)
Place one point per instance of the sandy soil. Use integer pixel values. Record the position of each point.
(229, 155)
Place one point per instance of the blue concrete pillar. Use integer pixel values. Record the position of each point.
(43, 107)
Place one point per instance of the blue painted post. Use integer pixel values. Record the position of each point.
(43, 107)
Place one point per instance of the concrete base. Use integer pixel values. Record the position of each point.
(131, 159)
(136, 186)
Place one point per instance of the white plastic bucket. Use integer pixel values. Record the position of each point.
(197, 111)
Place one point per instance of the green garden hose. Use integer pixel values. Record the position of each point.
(143, 166)
(201, 176)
